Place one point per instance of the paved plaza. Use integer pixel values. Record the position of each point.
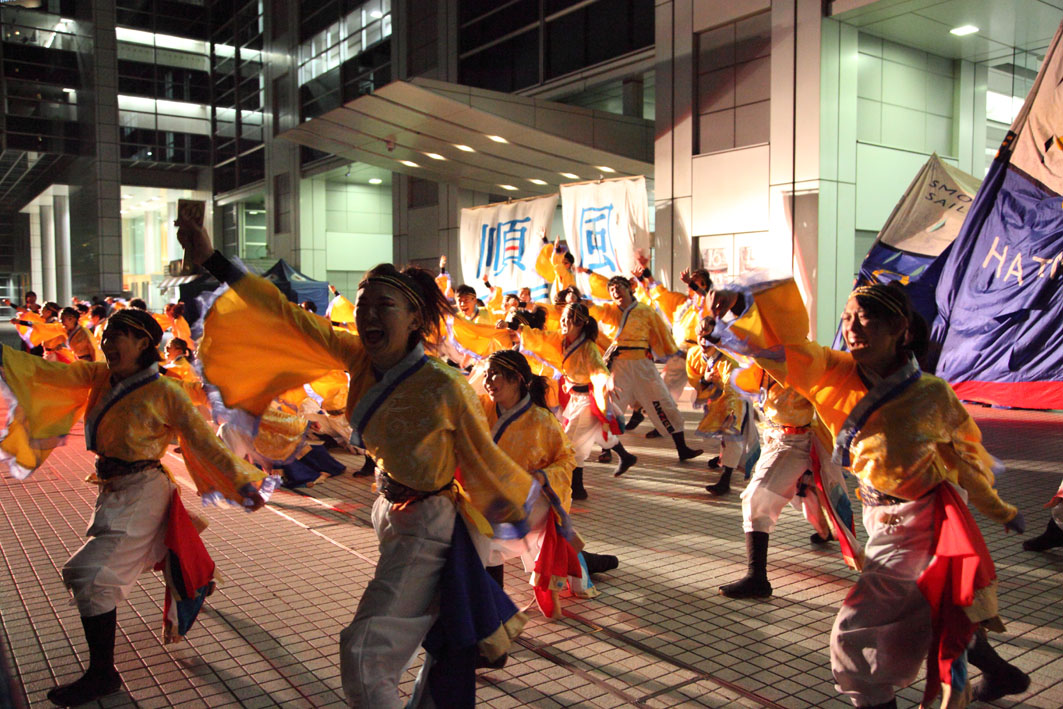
(658, 636)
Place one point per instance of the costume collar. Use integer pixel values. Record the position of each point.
(881, 393)
(571, 349)
(505, 418)
(117, 392)
(377, 394)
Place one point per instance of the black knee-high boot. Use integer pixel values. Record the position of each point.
(685, 452)
(626, 459)
(368, 468)
(634, 420)
(723, 485)
(755, 584)
(101, 678)
(999, 677)
(578, 491)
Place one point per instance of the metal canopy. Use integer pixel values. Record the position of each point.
(406, 121)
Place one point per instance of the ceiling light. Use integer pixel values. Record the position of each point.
(497, 138)
(375, 180)
(376, 14)
(435, 156)
(464, 148)
(409, 163)
(603, 168)
(69, 91)
(963, 30)
(570, 175)
(511, 188)
(536, 181)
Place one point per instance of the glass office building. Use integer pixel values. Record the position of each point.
(775, 133)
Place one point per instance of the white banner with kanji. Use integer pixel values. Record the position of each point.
(604, 221)
(503, 241)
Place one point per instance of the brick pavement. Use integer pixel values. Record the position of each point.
(658, 636)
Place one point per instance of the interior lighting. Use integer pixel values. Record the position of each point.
(376, 14)
(497, 138)
(69, 91)
(604, 168)
(409, 163)
(570, 175)
(435, 156)
(464, 148)
(127, 196)
(536, 181)
(511, 188)
(963, 30)
(375, 180)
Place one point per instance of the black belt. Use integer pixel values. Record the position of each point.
(614, 350)
(876, 498)
(107, 468)
(581, 388)
(397, 493)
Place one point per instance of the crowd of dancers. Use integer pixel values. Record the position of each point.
(476, 412)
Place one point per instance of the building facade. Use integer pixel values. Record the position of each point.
(774, 134)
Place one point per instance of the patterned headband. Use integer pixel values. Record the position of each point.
(126, 318)
(503, 361)
(579, 315)
(882, 295)
(404, 284)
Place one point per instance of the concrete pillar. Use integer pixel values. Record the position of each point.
(48, 289)
(61, 216)
(633, 96)
(36, 265)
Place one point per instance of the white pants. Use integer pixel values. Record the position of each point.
(734, 449)
(399, 605)
(127, 536)
(584, 431)
(493, 552)
(784, 459)
(636, 382)
(882, 632)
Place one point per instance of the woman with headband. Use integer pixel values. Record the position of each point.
(523, 427)
(918, 457)
(132, 415)
(421, 423)
(587, 416)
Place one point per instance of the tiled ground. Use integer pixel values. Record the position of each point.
(658, 636)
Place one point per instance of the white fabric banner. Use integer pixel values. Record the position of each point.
(931, 212)
(604, 221)
(503, 240)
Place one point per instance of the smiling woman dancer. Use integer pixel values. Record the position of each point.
(420, 421)
(918, 455)
(133, 414)
(523, 427)
(588, 417)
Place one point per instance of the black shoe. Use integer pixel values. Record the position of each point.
(819, 541)
(367, 469)
(88, 688)
(749, 587)
(685, 452)
(599, 563)
(1050, 539)
(714, 463)
(483, 663)
(605, 456)
(636, 418)
(718, 489)
(993, 686)
(654, 433)
(999, 677)
(578, 491)
(626, 461)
